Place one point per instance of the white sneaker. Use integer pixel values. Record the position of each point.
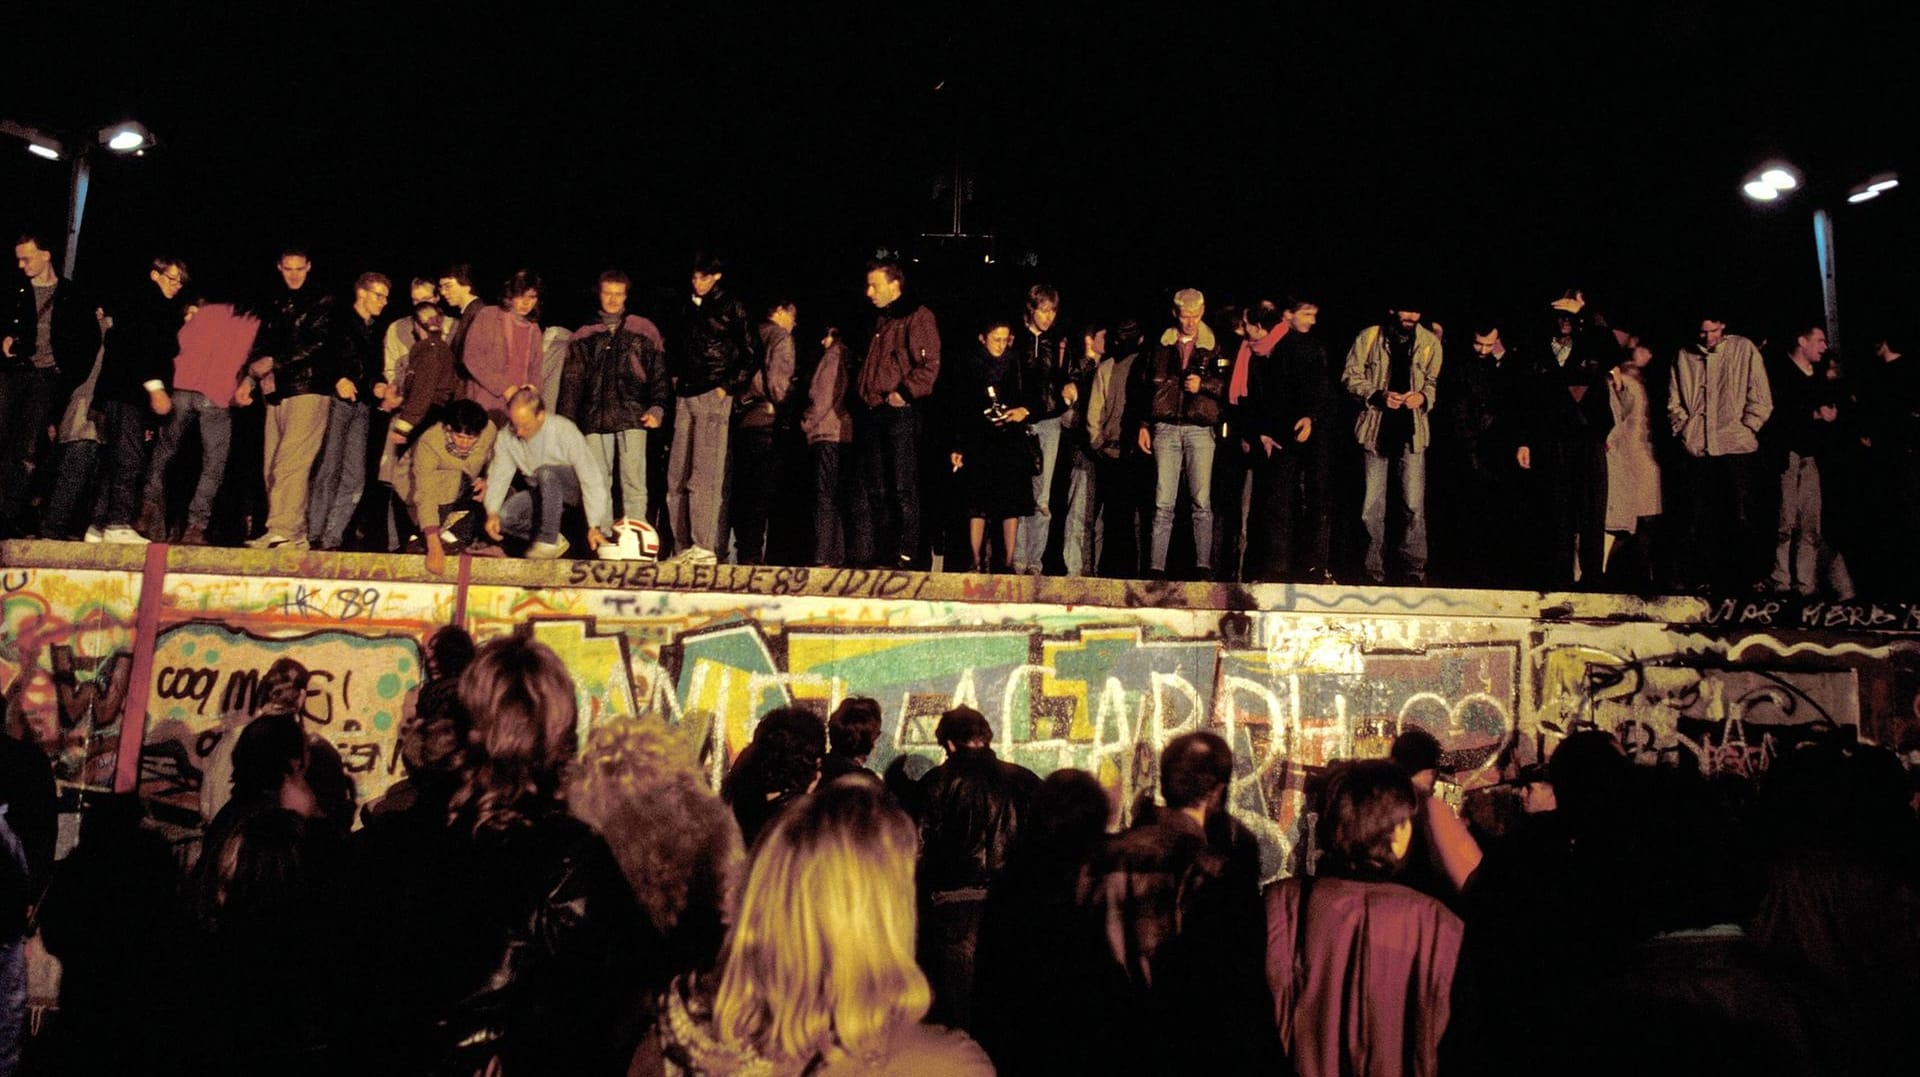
(700, 555)
(547, 551)
(94, 534)
(266, 542)
(124, 535)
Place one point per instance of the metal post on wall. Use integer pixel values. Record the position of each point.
(76, 207)
(1829, 288)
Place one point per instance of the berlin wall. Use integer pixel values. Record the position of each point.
(131, 667)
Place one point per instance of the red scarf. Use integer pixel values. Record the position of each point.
(1237, 388)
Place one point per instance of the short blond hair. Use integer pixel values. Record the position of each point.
(821, 956)
(1189, 301)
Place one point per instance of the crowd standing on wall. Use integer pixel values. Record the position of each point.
(1552, 451)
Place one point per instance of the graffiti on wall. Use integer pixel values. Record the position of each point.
(65, 659)
(207, 681)
(1098, 687)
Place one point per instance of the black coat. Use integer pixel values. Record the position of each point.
(296, 333)
(1284, 387)
(613, 378)
(76, 332)
(714, 346)
(140, 347)
(971, 807)
(1570, 403)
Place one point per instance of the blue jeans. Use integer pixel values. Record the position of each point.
(1181, 447)
(1373, 513)
(191, 409)
(534, 513)
(1030, 544)
(342, 475)
(630, 446)
(1085, 525)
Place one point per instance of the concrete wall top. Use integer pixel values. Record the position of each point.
(1743, 611)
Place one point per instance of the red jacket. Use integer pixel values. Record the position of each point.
(903, 357)
(1380, 960)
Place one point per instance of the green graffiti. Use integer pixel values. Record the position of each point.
(388, 687)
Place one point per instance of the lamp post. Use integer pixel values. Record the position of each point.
(127, 137)
(1777, 179)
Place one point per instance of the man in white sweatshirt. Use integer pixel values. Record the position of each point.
(550, 453)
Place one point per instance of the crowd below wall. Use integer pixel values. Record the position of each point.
(517, 903)
(1546, 450)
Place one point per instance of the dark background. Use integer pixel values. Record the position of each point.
(1475, 161)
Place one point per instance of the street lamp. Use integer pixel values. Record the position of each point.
(128, 136)
(1774, 180)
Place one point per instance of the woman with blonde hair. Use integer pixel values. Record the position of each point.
(675, 841)
(545, 964)
(817, 975)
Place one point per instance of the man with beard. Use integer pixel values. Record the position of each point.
(1566, 415)
(1391, 369)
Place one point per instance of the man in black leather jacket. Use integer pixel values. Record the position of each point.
(970, 809)
(711, 357)
(291, 369)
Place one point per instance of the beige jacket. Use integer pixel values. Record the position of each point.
(1365, 376)
(429, 478)
(1717, 401)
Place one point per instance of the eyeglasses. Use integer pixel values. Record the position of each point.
(381, 295)
(175, 276)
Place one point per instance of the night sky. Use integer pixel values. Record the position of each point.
(1475, 162)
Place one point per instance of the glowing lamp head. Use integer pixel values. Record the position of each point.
(1779, 179)
(1761, 191)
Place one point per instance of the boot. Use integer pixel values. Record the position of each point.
(153, 522)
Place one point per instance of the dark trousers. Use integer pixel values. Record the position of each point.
(1124, 484)
(26, 405)
(66, 510)
(1234, 511)
(828, 547)
(1276, 502)
(1721, 510)
(123, 432)
(1575, 491)
(750, 491)
(888, 443)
